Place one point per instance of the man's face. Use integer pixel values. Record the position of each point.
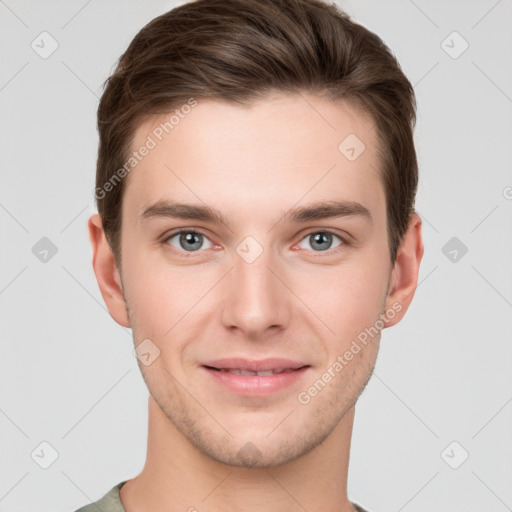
(261, 285)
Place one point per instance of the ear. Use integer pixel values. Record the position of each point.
(107, 274)
(404, 278)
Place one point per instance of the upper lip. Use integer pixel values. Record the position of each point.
(253, 365)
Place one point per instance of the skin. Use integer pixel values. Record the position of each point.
(294, 301)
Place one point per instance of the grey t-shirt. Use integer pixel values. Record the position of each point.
(112, 503)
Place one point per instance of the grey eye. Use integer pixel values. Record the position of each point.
(322, 240)
(188, 241)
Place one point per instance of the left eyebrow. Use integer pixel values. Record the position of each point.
(314, 211)
(327, 209)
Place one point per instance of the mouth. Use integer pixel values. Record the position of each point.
(253, 377)
(241, 371)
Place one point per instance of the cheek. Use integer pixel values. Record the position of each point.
(347, 299)
(165, 299)
(151, 294)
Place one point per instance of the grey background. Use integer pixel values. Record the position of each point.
(68, 375)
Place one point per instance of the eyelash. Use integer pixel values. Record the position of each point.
(179, 231)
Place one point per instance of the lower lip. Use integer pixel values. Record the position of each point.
(256, 385)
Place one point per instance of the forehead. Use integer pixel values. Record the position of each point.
(279, 150)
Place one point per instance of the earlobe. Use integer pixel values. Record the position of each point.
(405, 272)
(107, 273)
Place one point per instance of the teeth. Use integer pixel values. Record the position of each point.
(261, 373)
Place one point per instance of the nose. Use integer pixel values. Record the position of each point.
(255, 298)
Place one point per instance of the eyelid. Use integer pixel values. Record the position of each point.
(343, 236)
(171, 234)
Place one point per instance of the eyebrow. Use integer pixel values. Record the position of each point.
(316, 211)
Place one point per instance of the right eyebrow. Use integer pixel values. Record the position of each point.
(171, 209)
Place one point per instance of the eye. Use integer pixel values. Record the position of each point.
(322, 240)
(190, 241)
(187, 240)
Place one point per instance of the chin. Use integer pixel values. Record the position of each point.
(260, 452)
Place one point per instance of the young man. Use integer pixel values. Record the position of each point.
(256, 230)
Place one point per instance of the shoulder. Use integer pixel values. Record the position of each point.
(111, 502)
(108, 503)
(358, 508)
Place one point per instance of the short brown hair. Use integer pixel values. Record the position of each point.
(241, 50)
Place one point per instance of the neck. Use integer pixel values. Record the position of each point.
(177, 476)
